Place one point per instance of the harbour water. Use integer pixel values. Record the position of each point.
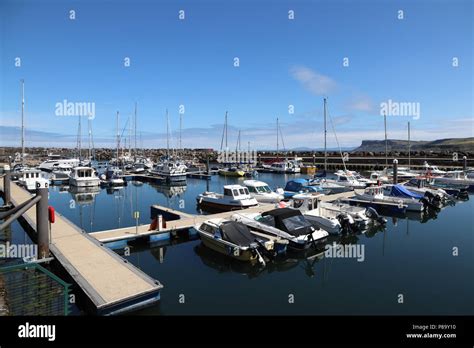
(410, 267)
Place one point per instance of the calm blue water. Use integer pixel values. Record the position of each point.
(410, 258)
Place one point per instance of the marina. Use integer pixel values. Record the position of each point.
(178, 215)
(172, 167)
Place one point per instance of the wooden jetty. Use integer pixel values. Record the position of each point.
(112, 284)
(177, 220)
(117, 238)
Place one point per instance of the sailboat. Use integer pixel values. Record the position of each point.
(342, 177)
(231, 170)
(288, 166)
(113, 175)
(172, 169)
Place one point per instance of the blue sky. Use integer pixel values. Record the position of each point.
(282, 62)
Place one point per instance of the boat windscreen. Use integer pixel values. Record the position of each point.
(237, 233)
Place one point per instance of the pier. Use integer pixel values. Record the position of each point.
(176, 220)
(112, 284)
(116, 238)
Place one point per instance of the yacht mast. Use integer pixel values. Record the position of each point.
(237, 146)
(409, 147)
(118, 138)
(325, 135)
(386, 145)
(135, 131)
(22, 121)
(167, 135)
(180, 131)
(224, 133)
(79, 138)
(278, 137)
(130, 136)
(89, 127)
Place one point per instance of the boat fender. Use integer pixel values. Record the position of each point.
(51, 215)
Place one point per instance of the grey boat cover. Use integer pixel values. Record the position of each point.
(237, 233)
(299, 226)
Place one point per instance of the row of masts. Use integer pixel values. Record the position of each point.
(223, 140)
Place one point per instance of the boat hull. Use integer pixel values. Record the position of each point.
(219, 246)
(84, 183)
(215, 206)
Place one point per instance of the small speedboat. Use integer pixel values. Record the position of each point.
(300, 185)
(375, 195)
(262, 192)
(235, 197)
(345, 178)
(114, 176)
(421, 186)
(286, 223)
(457, 177)
(60, 174)
(234, 239)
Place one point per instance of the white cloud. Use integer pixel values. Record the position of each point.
(361, 103)
(313, 81)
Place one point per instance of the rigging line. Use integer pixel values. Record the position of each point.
(337, 140)
(282, 140)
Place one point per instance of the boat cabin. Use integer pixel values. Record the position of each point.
(306, 201)
(83, 172)
(32, 174)
(376, 191)
(236, 191)
(255, 186)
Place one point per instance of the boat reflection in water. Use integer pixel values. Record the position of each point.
(84, 195)
(170, 191)
(223, 264)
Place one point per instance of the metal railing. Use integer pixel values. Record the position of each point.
(30, 289)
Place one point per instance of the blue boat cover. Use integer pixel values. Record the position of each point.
(401, 191)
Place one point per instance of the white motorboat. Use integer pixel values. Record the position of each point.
(379, 177)
(344, 178)
(432, 170)
(421, 186)
(402, 173)
(330, 187)
(235, 197)
(84, 177)
(286, 223)
(60, 174)
(234, 239)
(457, 177)
(173, 171)
(113, 176)
(318, 218)
(362, 216)
(262, 192)
(287, 166)
(55, 161)
(375, 194)
(28, 178)
(137, 168)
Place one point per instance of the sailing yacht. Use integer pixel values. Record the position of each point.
(172, 169)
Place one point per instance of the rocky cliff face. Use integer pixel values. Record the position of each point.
(453, 144)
